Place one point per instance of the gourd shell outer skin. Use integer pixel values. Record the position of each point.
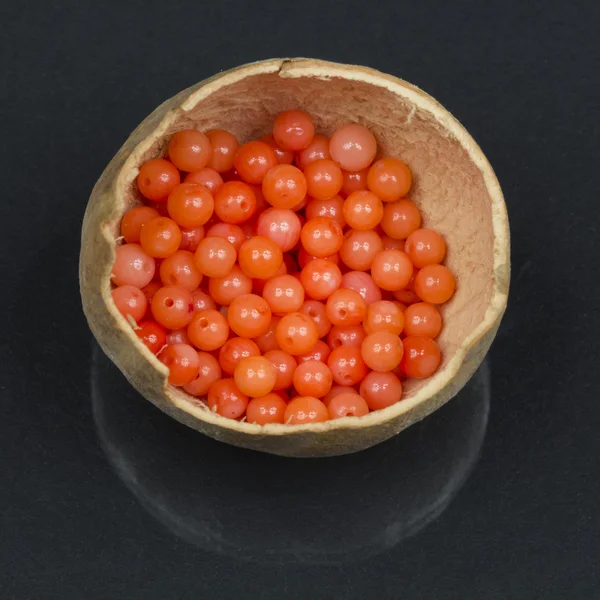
(451, 172)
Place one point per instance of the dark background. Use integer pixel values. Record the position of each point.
(103, 497)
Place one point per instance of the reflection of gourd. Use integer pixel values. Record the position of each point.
(252, 504)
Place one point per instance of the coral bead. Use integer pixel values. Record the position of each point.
(190, 238)
(384, 316)
(207, 177)
(346, 307)
(190, 150)
(296, 333)
(180, 269)
(332, 208)
(249, 316)
(215, 257)
(391, 270)
(400, 219)
(359, 249)
(284, 186)
(182, 361)
(353, 147)
(152, 334)
(160, 237)
(267, 340)
(346, 335)
(320, 278)
(363, 210)
(208, 330)
(190, 205)
(347, 365)
(323, 179)
(255, 376)
(336, 390)
(425, 247)
(284, 294)
(390, 179)
(232, 233)
(354, 181)
(285, 157)
(253, 160)
(209, 372)
(363, 283)
(156, 179)
(422, 319)
(381, 390)
(305, 409)
(293, 130)
(225, 399)
(224, 145)
(225, 289)
(382, 351)
(316, 150)
(285, 364)
(260, 257)
(133, 221)
(173, 306)
(132, 266)
(347, 404)
(435, 284)
(321, 237)
(233, 350)
(130, 302)
(202, 301)
(313, 378)
(422, 357)
(318, 313)
(281, 226)
(235, 202)
(320, 352)
(267, 409)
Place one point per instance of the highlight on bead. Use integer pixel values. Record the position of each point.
(286, 280)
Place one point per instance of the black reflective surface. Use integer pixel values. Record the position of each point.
(103, 497)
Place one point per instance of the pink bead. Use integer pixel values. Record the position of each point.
(333, 208)
(132, 266)
(353, 147)
(202, 301)
(363, 283)
(280, 225)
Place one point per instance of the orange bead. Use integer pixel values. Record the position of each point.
(296, 333)
(305, 409)
(390, 179)
(209, 372)
(130, 302)
(190, 204)
(253, 160)
(346, 335)
(180, 269)
(384, 316)
(160, 237)
(285, 157)
(293, 130)
(313, 378)
(332, 208)
(422, 319)
(260, 257)
(234, 350)
(267, 341)
(353, 146)
(422, 357)
(133, 220)
(391, 270)
(400, 219)
(202, 301)
(224, 145)
(435, 284)
(347, 365)
(182, 361)
(190, 238)
(318, 313)
(235, 202)
(156, 179)
(207, 177)
(208, 330)
(267, 409)
(232, 233)
(320, 278)
(336, 390)
(354, 181)
(316, 150)
(189, 150)
(323, 179)
(249, 315)
(285, 364)
(359, 249)
(320, 352)
(225, 399)
(382, 351)
(346, 307)
(321, 237)
(215, 257)
(172, 306)
(363, 210)
(225, 289)
(132, 266)
(152, 334)
(381, 390)
(425, 247)
(284, 294)
(347, 404)
(284, 186)
(255, 376)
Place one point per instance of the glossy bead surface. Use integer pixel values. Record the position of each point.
(281, 226)
(284, 186)
(391, 270)
(293, 130)
(320, 278)
(208, 330)
(152, 334)
(190, 204)
(133, 221)
(321, 237)
(180, 269)
(323, 179)
(284, 294)
(346, 307)
(384, 316)
(190, 238)
(382, 351)
(225, 399)
(255, 376)
(353, 146)
(253, 159)
(435, 284)
(390, 179)
(400, 219)
(312, 378)
(130, 302)
(363, 283)
(225, 289)
(182, 361)
(422, 319)
(305, 409)
(233, 350)
(318, 313)
(209, 372)
(296, 333)
(316, 150)
(422, 357)
(224, 145)
(156, 179)
(332, 208)
(172, 306)
(232, 233)
(132, 266)
(354, 181)
(202, 301)
(260, 257)
(363, 210)
(267, 409)
(285, 364)
(359, 249)
(267, 340)
(207, 177)
(235, 202)
(425, 247)
(346, 335)
(160, 237)
(347, 365)
(285, 157)
(381, 390)
(320, 352)
(189, 150)
(249, 315)
(347, 404)
(215, 257)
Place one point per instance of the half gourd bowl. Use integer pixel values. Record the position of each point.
(454, 187)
